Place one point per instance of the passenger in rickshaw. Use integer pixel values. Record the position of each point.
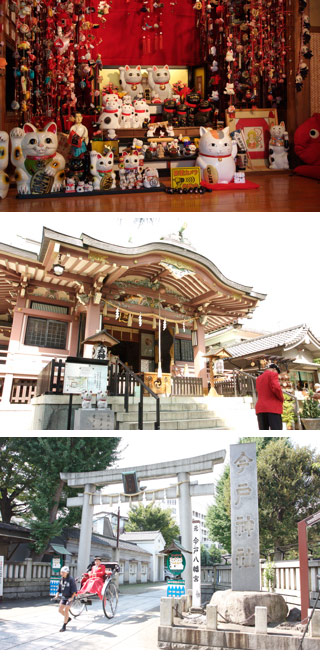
(92, 582)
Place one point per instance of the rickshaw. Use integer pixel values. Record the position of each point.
(109, 593)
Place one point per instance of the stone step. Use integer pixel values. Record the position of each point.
(166, 415)
(179, 424)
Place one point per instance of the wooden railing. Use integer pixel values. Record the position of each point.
(186, 386)
(23, 389)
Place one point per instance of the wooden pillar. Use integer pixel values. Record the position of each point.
(199, 351)
(92, 326)
(304, 569)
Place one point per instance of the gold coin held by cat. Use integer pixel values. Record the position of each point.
(41, 183)
(106, 182)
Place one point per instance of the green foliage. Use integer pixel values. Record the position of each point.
(269, 574)
(44, 503)
(16, 479)
(288, 490)
(152, 518)
(288, 414)
(210, 556)
(310, 408)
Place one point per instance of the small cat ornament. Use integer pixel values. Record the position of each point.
(217, 152)
(278, 147)
(39, 168)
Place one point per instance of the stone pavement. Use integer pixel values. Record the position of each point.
(34, 625)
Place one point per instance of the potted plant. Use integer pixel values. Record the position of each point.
(310, 415)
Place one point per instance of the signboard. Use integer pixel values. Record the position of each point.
(244, 518)
(185, 177)
(1, 574)
(176, 588)
(176, 562)
(54, 583)
(80, 377)
(196, 563)
(56, 564)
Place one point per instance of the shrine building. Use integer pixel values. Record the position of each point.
(152, 305)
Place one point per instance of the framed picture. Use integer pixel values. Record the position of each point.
(147, 345)
(255, 125)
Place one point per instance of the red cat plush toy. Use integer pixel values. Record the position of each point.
(307, 147)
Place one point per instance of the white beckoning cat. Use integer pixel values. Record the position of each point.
(130, 79)
(158, 78)
(217, 152)
(39, 168)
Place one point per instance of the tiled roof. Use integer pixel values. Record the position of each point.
(285, 338)
(139, 536)
(109, 541)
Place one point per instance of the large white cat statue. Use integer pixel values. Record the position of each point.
(39, 168)
(101, 168)
(159, 82)
(130, 79)
(216, 158)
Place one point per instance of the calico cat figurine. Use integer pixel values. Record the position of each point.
(4, 159)
(39, 168)
(217, 152)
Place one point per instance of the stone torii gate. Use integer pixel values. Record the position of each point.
(184, 489)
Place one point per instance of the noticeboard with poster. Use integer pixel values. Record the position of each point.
(91, 376)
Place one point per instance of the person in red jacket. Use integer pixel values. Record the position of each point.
(92, 581)
(270, 400)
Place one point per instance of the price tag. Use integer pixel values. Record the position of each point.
(185, 177)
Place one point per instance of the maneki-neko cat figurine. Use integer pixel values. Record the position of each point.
(217, 152)
(39, 167)
(4, 159)
(101, 169)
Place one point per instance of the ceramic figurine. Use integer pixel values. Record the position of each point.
(159, 82)
(151, 150)
(182, 114)
(127, 116)
(101, 400)
(101, 169)
(130, 170)
(39, 167)
(141, 113)
(86, 399)
(169, 110)
(192, 102)
(217, 153)
(203, 114)
(239, 177)
(70, 185)
(4, 160)
(130, 79)
(78, 137)
(110, 116)
(278, 148)
(106, 98)
(151, 178)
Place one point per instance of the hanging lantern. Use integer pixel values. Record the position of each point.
(195, 325)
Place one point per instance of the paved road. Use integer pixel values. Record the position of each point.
(34, 625)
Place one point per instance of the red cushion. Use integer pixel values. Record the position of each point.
(311, 171)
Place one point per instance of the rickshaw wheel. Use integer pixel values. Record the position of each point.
(77, 607)
(110, 600)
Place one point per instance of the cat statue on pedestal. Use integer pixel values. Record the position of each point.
(217, 152)
(278, 148)
(158, 78)
(39, 168)
(101, 169)
(4, 160)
